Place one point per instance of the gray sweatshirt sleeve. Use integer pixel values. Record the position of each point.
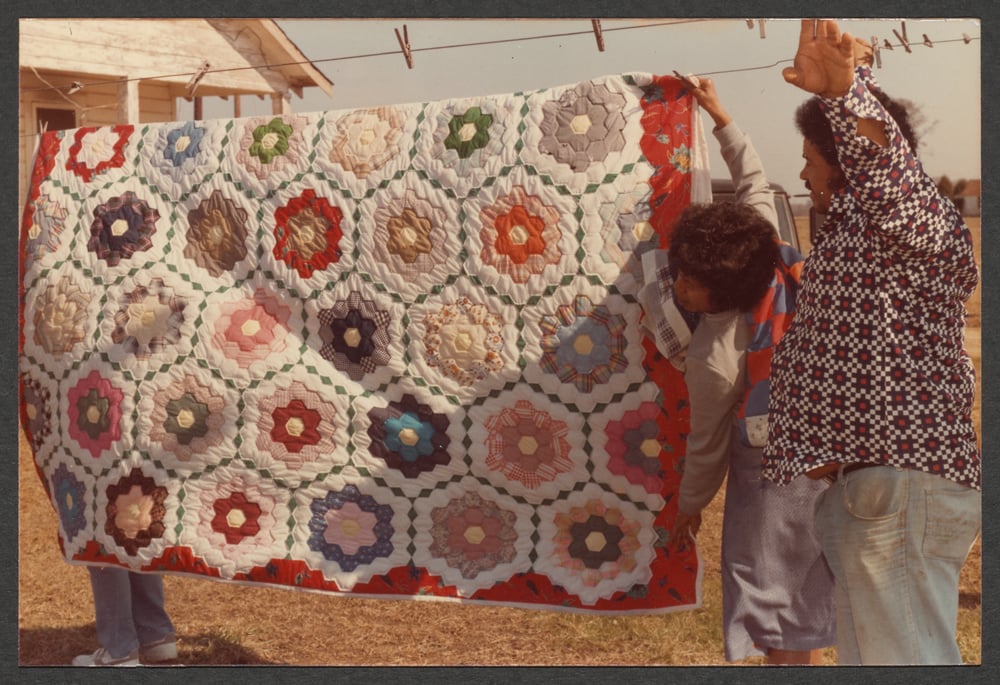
(746, 170)
(713, 397)
(714, 393)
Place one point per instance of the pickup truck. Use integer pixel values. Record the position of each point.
(723, 191)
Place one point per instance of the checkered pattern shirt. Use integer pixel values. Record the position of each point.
(873, 367)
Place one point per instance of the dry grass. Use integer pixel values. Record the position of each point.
(220, 623)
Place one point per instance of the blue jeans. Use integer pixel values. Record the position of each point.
(128, 608)
(896, 540)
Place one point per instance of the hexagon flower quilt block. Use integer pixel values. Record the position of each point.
(387, 352)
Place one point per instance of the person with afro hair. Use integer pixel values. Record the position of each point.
(871, 389)
(777, 592)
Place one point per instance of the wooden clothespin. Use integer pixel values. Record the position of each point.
(877, 52)
(192, 84)
(596, 24)
(404, 44)
(966, 38)
(749, 23)
(815, 28)
(760, 23)
(692, 85)
(927, 41)
(887, 45)
(74, 87)
(902, 38)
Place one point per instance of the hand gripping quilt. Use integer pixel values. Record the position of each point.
(388, 352)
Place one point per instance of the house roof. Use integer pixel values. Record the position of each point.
(283, 55)
(245, 56)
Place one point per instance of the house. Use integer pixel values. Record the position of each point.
(969, 197)
(97, 72)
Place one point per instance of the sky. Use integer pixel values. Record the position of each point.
(363, 59)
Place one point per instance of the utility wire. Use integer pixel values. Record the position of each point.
(458, 45)
(372, 54)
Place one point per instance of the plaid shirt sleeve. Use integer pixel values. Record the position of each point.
(669, 327)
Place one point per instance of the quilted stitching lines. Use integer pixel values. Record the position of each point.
(217, 234)
(48, 219)
(391, 351)
(61, 316)
(122, 226)
(464, 340)
(95, 413)
(308, 233)
(355, 334)
(583, 125)
(409, 436)
(271, 146)
(135, 511)
(583, 344)
(97, 150)
(367, 140)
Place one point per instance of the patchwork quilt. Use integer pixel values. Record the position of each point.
(389, 352)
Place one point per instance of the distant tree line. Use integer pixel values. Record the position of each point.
(950, 189)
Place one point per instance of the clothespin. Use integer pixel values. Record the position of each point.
(596, 24)
(404, 44)
(876, 52)
(815, 28)
(691, 84)
(902, 38)
(887, 45)
(45, 126)
(74, 87)
(192, 84)
(749, 23)
(966, 38)
(927, 41)
(760, 23)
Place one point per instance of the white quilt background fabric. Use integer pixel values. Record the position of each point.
(392, 351)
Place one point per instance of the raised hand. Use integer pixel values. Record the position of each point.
(824, 64)
(704, 92)
(863, 53)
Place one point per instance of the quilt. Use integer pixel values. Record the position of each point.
(388, 352)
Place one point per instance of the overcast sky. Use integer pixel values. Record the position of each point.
(943, 80)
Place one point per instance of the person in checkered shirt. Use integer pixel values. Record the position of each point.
(871, 388)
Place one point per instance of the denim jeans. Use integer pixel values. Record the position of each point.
(129, 609)
(896, 540)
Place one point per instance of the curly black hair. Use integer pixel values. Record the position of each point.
(813, 124)
(730, 249)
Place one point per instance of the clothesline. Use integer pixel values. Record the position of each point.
(78, 86)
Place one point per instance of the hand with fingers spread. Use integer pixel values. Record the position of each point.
(881, 208)
(824, 63)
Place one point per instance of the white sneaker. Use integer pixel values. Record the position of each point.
(102, 658)
(163, 649)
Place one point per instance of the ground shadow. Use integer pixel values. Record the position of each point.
(58, 646)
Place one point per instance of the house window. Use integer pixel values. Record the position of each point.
(54, 119)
